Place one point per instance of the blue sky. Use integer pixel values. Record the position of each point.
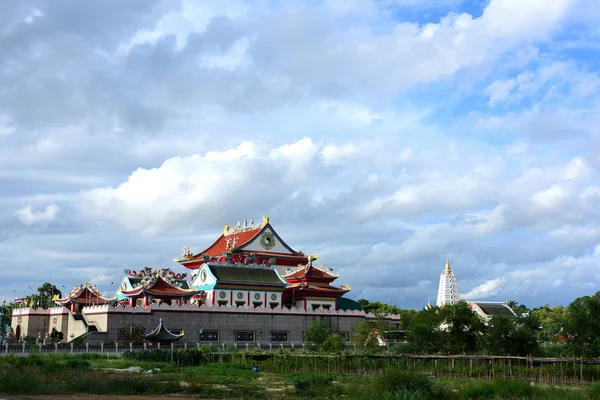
(384, 135)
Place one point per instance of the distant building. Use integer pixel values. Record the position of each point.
(448, 294)
(448, 289)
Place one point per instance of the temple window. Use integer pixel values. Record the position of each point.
(278, 336)
(222, 302)
(315, 306)
(240, 303)
(326, 306)
(274, 305)
(244, 336)
(209, 336)
(257, 304)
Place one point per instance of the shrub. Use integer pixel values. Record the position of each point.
(501, 389)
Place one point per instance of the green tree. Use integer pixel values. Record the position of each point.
(133, 333)
(582, 325)
(361, 332)
(56, 336)
(425, 332)
(317, 333)
(509, 335)
(461, 328)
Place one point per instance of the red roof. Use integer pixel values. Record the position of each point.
(159, 287)
(220, 245)
(311, 290)
(84, 295)
(311, 273)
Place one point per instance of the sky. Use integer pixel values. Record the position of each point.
(384, 135)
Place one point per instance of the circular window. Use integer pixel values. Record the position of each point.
(273, 296)
(222, 295)
(240, 296)
(203, 275)
(257, 296)
(267, 240)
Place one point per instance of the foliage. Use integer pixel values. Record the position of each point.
(582, 326)
(319, 337)
(505, 335)
(56, 336)
(361, 333)
(44, 296)
(334, 344)
(133, 333)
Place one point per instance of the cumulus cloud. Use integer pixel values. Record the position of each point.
(383, 135)
(28, 216)
(486, 290)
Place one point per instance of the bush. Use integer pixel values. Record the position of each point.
(314, 385)
(501, 389)
(334, 344)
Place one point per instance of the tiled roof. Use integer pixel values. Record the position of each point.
(160, 287)
(220, 245)
(162, 333)
(311, 272)
(495, 309)
(245, 275)
(314, 288)
(85, 296)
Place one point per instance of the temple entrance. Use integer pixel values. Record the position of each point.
(18, 332)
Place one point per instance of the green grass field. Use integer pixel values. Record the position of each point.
(94, 374)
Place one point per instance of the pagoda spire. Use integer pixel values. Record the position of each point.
(448, 288)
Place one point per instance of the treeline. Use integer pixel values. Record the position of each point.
(456, 329)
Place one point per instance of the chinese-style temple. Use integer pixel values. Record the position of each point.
(82, 296)
(247, 286)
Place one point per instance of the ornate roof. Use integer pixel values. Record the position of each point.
(85, 294)
(161, 333)
(310, 272)
(230, 274)
(233, 240)
(158, 286)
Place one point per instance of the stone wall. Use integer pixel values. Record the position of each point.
(259, 323)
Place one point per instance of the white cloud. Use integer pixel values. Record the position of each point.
(28, 216)
(486, 290)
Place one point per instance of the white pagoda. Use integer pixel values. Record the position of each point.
(448, 290)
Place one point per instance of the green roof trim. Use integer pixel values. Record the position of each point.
(226, 274)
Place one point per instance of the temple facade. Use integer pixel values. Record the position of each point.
(248, 286)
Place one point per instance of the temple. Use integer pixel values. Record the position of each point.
(82, 296)
(248, 243)
(248, 286)
(448, 289)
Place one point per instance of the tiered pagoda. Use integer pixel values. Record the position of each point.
(247, 243)
(309, 287)
(83, 296)
(448, 289)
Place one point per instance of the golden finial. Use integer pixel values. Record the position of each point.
(226, 230)
(265, 220)
(447, 270)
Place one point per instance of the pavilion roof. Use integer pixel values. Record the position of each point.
(306, 289)
(161, 333)
(491, 309)
(84, 294)
(159, 287)
(308, 272)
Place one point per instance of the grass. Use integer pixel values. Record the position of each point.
(70, 374)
